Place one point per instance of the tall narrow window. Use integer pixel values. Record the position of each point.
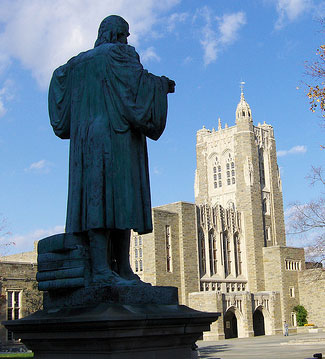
(168, 249)
(138, 254)
(217, 179)
(225, 253)
(202, 252)
(231, 173)
(239, 257)
(228, 255)
(237, 253)
(262, 169)
(13, 308)
(213, 253)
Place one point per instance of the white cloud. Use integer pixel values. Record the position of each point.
(230, 26)
(290, 10)
(6, 94)
(149, 54)
(24, 242)
(42, 166)
(218, 31)
(43, 34)
(174, 19)
(293, 151)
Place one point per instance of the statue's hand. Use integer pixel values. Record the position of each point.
(171, 86)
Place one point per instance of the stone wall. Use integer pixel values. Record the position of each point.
(183, 268)
(282, 266)
(20, 278)
(312, 295)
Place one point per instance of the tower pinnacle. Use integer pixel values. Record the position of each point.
(243, 110)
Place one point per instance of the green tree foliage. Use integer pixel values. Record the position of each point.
(301, 314)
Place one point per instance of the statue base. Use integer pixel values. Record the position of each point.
(113, 330)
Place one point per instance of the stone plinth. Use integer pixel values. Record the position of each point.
(92, 295)
(114, 330)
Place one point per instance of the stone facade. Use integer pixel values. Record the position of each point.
(240, 259)
(169, 255)
(19, 294)
(238, 192)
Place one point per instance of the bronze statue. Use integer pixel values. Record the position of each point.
(107, 104)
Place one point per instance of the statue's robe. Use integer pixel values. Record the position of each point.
(106, 104)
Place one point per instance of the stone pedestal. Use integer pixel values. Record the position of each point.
(112, 328)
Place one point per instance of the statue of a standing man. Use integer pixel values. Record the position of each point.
(107, 104)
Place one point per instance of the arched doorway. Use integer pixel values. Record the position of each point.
(258, 323)
(230, 325)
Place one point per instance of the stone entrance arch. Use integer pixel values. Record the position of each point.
(230, 324)
(258, 322)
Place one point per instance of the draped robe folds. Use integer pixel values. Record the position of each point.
(106, 104)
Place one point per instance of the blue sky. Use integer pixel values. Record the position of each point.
(208, 47)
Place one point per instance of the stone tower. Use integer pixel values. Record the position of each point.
(239, 196)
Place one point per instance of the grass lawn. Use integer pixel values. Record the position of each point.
(17, 355)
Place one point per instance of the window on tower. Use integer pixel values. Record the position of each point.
(231, 172)
(217, 176)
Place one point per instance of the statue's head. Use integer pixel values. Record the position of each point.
(112, 29)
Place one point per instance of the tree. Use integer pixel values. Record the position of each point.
(309, 219)
(316, 71)
(4, 235)
(301, 314)
(33, 299)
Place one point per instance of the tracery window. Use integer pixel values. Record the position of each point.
(230, 170)
(217, 175)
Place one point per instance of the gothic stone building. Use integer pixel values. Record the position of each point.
(19, 295)
(227, 252)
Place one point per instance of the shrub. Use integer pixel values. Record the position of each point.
(301, 314)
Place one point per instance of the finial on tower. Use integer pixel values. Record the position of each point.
(219, 123)
(242, 83)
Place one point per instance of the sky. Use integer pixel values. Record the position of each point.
(207, 47)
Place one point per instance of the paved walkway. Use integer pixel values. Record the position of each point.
(295, 346)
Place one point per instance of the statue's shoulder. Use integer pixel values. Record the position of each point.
(108, 51)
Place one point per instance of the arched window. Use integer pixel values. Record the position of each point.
(217, 175)
(230, 170)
